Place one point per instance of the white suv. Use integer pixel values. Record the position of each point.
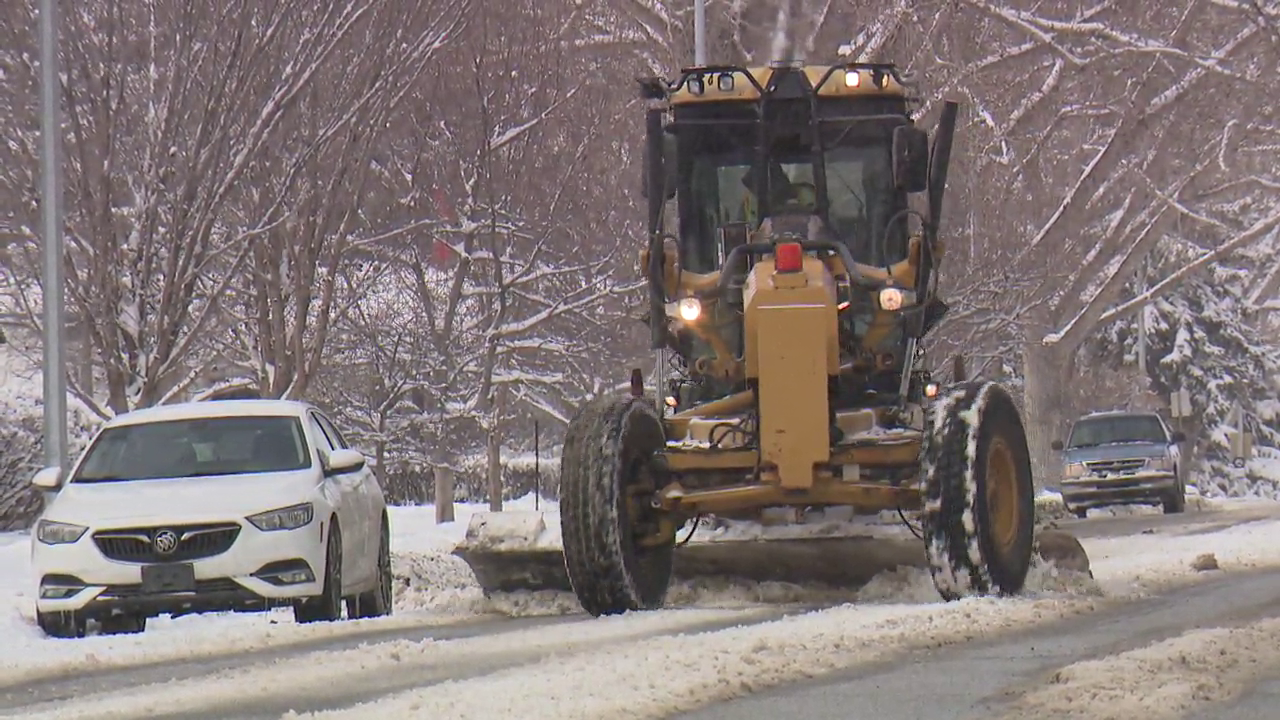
(226, 505)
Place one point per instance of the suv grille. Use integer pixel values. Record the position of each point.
(138, 545)
(1116, 467)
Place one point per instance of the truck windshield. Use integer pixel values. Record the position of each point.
(1090, 432)
(194, 448)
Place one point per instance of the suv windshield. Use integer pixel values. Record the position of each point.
(1117, 429)
(196, 447)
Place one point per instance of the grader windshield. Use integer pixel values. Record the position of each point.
(742, 159)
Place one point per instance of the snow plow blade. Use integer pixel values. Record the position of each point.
(521, 551)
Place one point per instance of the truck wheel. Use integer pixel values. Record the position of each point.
(979, 506)
(605, 493)
(1177, 500)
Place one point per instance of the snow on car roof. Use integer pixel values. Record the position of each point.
(210, 409)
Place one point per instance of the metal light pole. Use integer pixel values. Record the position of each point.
(699, 32)
(55, 385)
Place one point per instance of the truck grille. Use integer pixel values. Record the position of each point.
(1116, 467)
(138, 545)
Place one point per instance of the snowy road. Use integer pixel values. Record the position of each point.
(656, 665)
(1008, 678)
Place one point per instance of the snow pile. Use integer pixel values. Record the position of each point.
(430, 579)
(1163, 681)
(662, 676)
(442, 584)
(1136, 565)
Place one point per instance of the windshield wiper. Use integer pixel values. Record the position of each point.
(103, 479)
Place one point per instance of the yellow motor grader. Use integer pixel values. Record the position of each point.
(793, 283)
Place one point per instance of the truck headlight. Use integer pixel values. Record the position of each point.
(1163, 464)
(58, 533)
(290, 518)
(1073, 470)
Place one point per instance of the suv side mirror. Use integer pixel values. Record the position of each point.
(1056, 445)
(1178, 436)
(49, 478)
(343, 461)
(910, 158)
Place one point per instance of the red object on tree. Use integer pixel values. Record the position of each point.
(441, 253)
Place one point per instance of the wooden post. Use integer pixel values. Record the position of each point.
(444, 494)
(495, 471)
(537, 469)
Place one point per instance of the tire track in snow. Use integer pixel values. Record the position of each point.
(977, 681)
(327, 679)
(657, 677)
(57, 684)
(104, 654)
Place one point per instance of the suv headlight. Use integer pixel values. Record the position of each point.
(1074, 470)
(1161, 463)
(58, 533)
(290, 518)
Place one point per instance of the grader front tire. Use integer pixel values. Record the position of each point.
(605, 485)
(979, 516)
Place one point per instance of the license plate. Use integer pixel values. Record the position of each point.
(180, 577)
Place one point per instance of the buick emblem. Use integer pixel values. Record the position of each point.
(165, 542)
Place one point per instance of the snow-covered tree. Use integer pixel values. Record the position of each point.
(1200, 338)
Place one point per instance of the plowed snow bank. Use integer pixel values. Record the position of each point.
(1141, 564)
(1163, 681)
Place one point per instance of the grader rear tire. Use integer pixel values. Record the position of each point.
(979, 515)
(605, 488)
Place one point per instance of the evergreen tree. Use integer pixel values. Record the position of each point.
(1201, 338)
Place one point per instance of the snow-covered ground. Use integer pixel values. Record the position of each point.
(1166, 680)
(896, 610)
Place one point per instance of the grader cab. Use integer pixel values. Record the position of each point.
(793, 283)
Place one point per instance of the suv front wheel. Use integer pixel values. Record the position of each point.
(1176, 502)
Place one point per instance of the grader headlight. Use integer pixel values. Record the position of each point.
(895, 298)
(689, 308)
(852, 78)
